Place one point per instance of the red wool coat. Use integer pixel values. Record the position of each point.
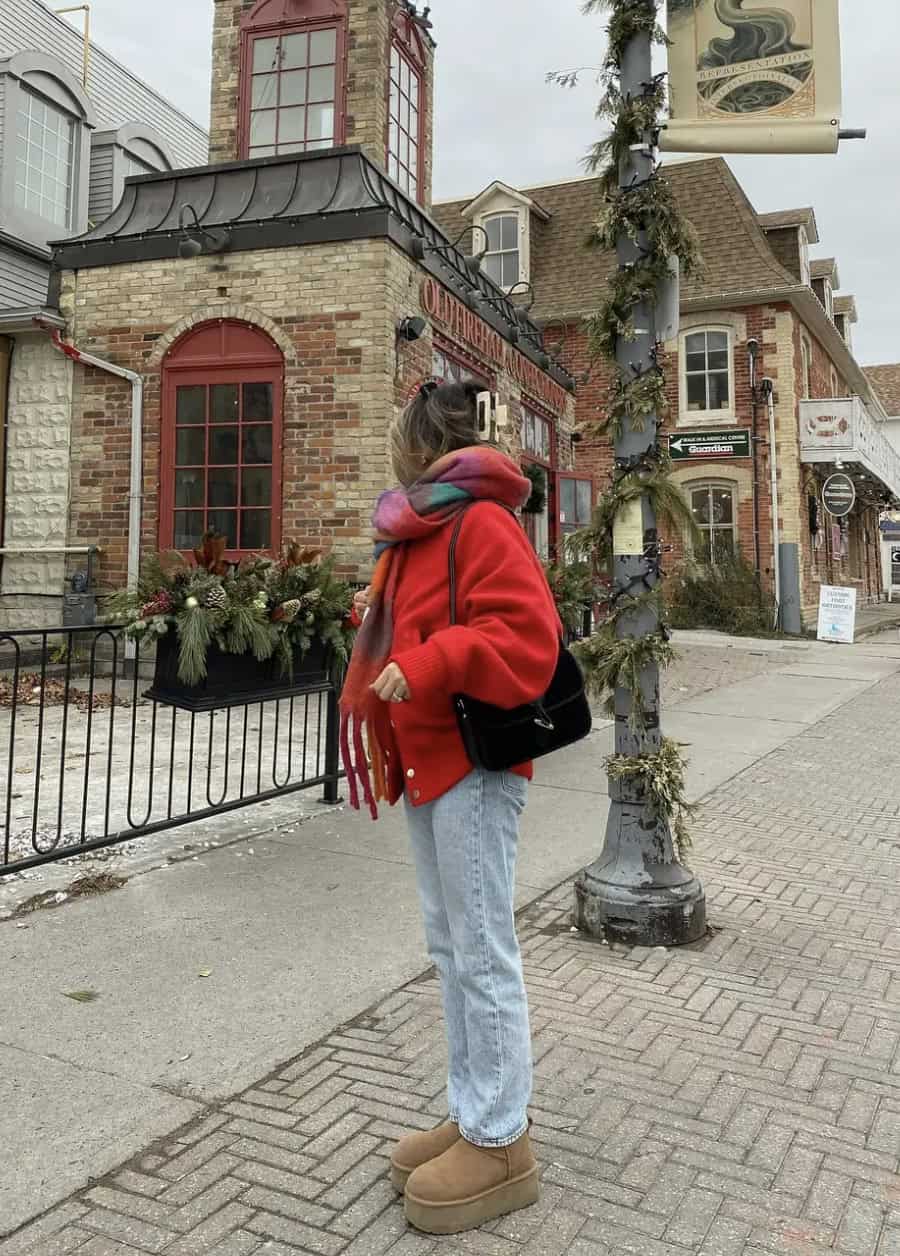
(503, 649)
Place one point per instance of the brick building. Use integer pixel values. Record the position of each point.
(275, 307)
(758, 292)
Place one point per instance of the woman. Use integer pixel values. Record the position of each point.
(407, 665)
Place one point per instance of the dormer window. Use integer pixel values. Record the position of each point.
(502, 261)
(45, 143)
(292, 80)
(45, 119)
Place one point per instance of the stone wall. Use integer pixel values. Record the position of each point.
(37, 481)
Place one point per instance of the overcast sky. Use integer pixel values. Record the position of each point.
(497, 118)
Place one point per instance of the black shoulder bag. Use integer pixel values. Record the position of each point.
(498, 740)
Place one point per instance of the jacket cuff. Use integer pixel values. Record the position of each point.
(424, 668)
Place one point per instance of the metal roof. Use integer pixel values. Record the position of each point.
(303, 198)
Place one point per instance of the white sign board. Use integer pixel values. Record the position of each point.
(837, 614)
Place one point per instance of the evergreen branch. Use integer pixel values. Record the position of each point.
(659, 778)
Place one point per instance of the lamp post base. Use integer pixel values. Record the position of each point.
(672, 914)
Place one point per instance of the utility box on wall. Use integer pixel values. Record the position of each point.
(79, 610)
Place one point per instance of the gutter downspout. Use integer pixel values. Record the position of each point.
(768, 388)
(4, 441)
(135, 490)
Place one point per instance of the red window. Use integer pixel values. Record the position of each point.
(452, 370)
(221, 439)
(405, 148)
(407, 105)
(292, 78)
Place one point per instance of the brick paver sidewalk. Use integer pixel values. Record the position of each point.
(737, 1099)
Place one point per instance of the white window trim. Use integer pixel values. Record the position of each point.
(709, 483)
(47, 77)
(704, 418)
(521, 215)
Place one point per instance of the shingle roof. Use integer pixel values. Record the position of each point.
(846, 305)
(822, 268)
(783, 218)
(568, 278)
(886, 382)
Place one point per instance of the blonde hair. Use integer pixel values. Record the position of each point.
(441, 418)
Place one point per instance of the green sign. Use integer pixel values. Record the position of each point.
(693, 446)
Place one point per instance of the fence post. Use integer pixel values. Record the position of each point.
(333, 741)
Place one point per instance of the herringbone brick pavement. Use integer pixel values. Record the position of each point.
(740, 1098)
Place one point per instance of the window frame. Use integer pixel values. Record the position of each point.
(516, 214)
(806, 365)
(710, 485)
(44, 76)
(407, 56)
(261, 365)
(469, 367)
(708, 418)
(250, 33)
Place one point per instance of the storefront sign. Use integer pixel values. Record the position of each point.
(839, 495)
(455, 318)
(688, 446)
(753, 78)
(837, 614)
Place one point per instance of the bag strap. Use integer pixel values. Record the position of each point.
(451, 557)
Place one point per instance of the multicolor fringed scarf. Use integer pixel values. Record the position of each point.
(474, 474)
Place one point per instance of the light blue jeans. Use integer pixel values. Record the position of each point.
(465, 851)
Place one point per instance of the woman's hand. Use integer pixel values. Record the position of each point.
(391, 685)
(361, 601)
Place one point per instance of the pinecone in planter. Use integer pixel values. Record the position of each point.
(216, 598)
(291, 609)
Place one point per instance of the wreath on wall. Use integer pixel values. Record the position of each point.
(537, 502)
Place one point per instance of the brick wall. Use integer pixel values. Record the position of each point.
(779, 332)
(367, 78)
(331, 309)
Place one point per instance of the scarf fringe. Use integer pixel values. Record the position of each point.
(356, 764)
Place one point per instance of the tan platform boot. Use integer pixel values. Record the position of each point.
(418, 1148)
(468, 1186)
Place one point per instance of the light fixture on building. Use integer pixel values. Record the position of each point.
(421, 248)
(196, 239)
(411, 329)
(529, 288)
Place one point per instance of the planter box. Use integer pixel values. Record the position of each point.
(235, 679)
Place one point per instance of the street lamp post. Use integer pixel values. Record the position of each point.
(637, 891)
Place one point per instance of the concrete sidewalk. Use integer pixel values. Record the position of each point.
(770, 1122)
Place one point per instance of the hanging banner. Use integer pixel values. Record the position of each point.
(752, 77)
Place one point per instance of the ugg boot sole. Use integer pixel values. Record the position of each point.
(399, 1178)
(469, 1214)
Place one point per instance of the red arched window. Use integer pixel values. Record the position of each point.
(223, 392)
(292, 90)
(408, 107)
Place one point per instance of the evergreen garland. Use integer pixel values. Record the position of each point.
(659, 779)
(646, 214)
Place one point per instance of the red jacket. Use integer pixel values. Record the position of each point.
(503, 650)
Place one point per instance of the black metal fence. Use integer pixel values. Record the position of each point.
(86, 761)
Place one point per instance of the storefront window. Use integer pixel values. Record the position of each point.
(576, 504)
(536, 433)
(450, 370)
(713, 507)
